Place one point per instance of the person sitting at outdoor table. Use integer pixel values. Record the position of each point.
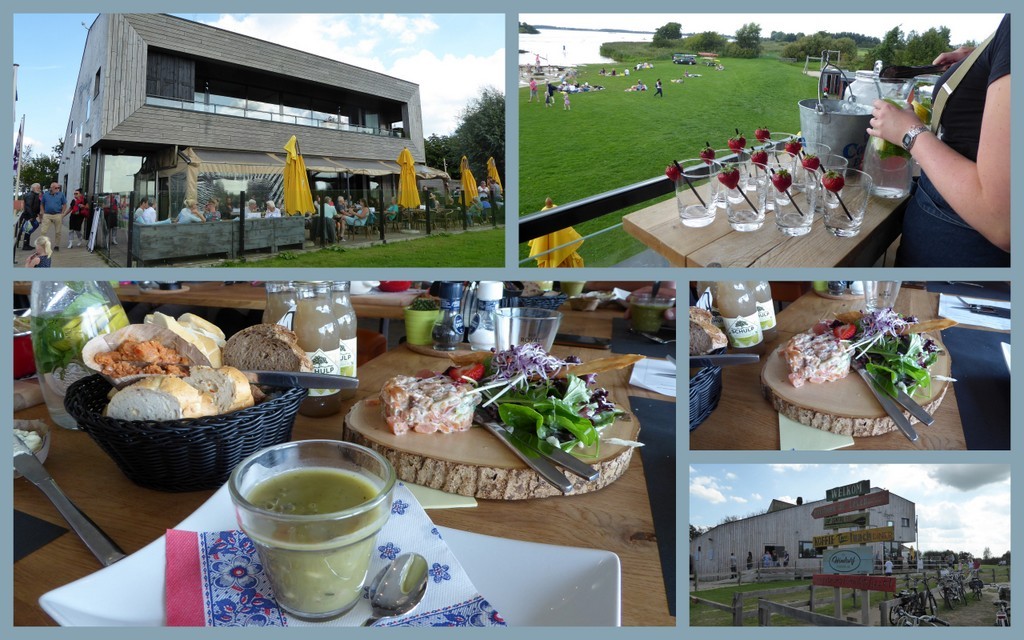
(272, 210)
(146, 214)
(329, 212)
(190, 213)
(959, 212)
(211, 213)
(253, 212)
(474, 210)
(391, 213)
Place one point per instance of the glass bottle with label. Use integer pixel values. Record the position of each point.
(280, 300)
(765, 309)
(738, 306)
(345, 317)
(448, 330)
(317, 333)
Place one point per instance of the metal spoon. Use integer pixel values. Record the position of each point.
(398, 588)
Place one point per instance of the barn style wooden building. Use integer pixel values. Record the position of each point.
(788, 528)
(165, 106)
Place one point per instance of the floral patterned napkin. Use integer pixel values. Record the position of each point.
(215, 579)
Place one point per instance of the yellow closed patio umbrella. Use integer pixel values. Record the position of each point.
(565, 257)
(469, 189)
(297, 197)
(408, 194)
(492, 172)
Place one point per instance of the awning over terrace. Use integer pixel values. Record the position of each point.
(247, 162)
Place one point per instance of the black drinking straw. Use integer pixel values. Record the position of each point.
(682, 174)
(791, 198)
(847, 211)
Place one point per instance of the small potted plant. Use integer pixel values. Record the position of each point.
(419, 320)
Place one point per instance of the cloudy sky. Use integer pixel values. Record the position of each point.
(959, 506)
(451, 56)
(962, 26)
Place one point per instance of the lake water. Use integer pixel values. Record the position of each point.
(570, 47)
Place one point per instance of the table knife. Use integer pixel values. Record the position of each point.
(724, 359)
(554, 454)
(302, 379)
(891, 408)
(984, 309)
(533, 459)
(26, 463)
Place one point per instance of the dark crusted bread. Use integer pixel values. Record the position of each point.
(268, 347)
(705, 337)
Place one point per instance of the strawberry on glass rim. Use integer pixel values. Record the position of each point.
(833, 181)
(737, 143)
(762, 134)
(810, 162)
(672, 171)
(729, 176)
(793, 146)
(707, 154)
(782, 180)
(759, 157)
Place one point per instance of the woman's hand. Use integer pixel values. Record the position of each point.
(949, 57)
(890, 122)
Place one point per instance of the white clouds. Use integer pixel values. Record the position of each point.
(730, 475)
(706, 488)
(738, 499)
(391, 44)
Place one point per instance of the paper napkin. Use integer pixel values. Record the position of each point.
(794, 436)
(951, 307)
(215, 579)
(655, 375)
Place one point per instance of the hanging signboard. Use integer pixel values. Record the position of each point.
(861, 536)
(848, 560)
(875, 499)
(849, 520)
(848, 491)
(871, 583)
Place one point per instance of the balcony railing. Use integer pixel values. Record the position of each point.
(270, 116)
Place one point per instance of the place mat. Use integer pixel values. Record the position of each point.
(624, 341)
(951, 307)
(658, 434)
(982, 386)
(218, 581)
(32, 533)
(989, 289)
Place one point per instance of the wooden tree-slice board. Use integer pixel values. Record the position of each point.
(476, 463)
(844, 406)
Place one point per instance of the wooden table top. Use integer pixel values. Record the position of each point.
(745, 420)
(660, 228)
(243, 295)
(616, 518)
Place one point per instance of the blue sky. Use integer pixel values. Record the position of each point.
(959, 506)
(451, 56)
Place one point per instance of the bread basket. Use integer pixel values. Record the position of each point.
(182, 455)
(705, 392)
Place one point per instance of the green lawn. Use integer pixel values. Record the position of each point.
(471, 249)
(613, 138)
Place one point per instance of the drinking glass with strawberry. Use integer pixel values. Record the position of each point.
(744, 209)
(791, 218)
(697, 186)
(804, 173)
(846, 194)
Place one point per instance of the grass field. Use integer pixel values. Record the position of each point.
(471, 249)
(613, 138)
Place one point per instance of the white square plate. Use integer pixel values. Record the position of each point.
(529, 584)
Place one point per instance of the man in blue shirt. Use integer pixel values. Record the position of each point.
(55, 208)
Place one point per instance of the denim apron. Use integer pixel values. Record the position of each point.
(935, 236)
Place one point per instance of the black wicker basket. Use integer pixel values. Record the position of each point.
(705, 392)
(182, 455)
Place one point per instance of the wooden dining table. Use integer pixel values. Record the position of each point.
(247, 296)
(744, 419)
(617, 518)
(718, 244)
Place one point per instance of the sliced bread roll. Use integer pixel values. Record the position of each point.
(160, 398)
(227, 386)
(204, 343)
(202, 326)
(705, 337)
(268, 347)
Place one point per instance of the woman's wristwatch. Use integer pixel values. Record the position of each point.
(910, 136)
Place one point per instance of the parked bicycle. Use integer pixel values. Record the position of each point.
(1002, 605)
(906, 619)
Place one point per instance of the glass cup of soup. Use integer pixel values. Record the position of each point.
(313, 509)
(646, 312)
